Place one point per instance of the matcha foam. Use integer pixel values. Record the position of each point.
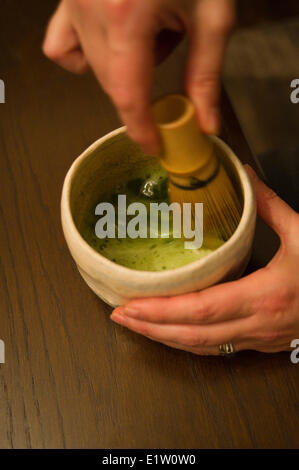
(145, 254)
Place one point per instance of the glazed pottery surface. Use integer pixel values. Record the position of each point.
(111, 160)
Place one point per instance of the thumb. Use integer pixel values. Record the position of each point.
(273, 210)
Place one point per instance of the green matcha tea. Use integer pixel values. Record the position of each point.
(146, 254)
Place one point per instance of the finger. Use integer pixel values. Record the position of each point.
(188, 335)
(199, 349)
(212, 351)
(129, 76)
(273, 210)
(246, 345)
(215, 350)
(130, 70)
(61, 42)
(208, 38)
(217, 304)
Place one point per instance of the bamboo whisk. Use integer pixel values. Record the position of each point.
(196, 174)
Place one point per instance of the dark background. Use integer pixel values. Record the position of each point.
(262, 60)
(71, 377)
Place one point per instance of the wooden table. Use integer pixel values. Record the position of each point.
(72, 378)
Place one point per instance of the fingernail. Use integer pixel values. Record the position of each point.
(118, 318)
(131, 312)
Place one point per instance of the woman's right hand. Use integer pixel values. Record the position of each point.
(116, 38)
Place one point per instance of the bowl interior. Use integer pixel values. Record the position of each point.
(110, 163)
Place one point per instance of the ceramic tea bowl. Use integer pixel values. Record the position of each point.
(110, 160)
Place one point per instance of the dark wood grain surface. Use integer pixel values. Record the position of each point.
(72, 378)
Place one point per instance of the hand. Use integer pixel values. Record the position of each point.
(260, 311)
(116, 38)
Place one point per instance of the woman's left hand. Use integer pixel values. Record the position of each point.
(259, 312)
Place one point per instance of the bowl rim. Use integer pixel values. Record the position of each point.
(249, 209)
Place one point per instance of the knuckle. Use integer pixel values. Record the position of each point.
(201, 83)
(270, 195)
(192, 339)
(201, 341)
(283, 298)
(203, 313)
(272, 315)
(278, 303)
